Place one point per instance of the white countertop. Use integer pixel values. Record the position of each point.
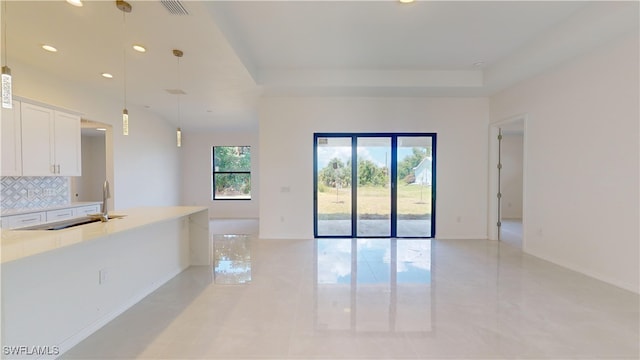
(18, 244)
(9, 212)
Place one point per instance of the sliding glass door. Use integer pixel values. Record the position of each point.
(374, 185)
(415, 186)
(333, 186)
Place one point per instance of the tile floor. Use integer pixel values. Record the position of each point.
(373, 299)
(512, 232)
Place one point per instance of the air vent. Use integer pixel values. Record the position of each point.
(174, 7)
(175, 91)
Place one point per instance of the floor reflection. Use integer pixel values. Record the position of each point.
(374, 299)
(232, 259)
(373, 285)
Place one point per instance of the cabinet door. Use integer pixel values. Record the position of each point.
(87, 210)
(61, 214)
(37, 140)
(18, 221)
(67, 144)
(11, 141)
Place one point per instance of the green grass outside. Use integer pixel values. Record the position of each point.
(414, 202)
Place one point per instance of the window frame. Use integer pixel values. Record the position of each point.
(214, 173)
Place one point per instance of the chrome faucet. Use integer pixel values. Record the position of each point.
(106, 194)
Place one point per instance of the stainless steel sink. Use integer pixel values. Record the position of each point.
(111, 216)
(65, 224)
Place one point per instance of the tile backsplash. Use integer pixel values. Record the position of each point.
(34, 192)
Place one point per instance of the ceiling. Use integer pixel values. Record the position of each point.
(237, 51)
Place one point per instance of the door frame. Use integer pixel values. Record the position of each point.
(494, 149)
(394, 170)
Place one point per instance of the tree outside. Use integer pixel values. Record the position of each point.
(232, 172)
(334, 193)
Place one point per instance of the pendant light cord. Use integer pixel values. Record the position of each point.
(124, 56)
(179, 118)
(4, 29)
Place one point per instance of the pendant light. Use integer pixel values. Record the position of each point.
(125, 7)
(178, 54)
(7, 88)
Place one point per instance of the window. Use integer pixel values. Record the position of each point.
(231, 173)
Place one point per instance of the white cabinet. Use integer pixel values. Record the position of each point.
(87, 210)
(18, 221)
(50, 142)
(67, 147)
(62, 214)
(11, 141)
(43, 216)
(37, 142)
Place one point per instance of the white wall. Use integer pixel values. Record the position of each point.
(196, 159)
(286, 155)
(581, 187)
(511, 176)
(146, 162)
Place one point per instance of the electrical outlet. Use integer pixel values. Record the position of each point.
(103, 276)
(49, 192)
(31, 194)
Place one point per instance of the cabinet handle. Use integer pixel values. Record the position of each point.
(28, 220)
(53, 168)
(58, 168)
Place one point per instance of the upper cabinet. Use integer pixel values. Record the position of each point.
(67, 144)
(37, 141)
(49, 141)
(11, 141)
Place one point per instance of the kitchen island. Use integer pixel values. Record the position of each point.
(60, 286)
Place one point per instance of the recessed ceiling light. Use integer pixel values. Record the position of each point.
(75, 2)
(101, 129)
(406, 1)
(107, 75)
(139, 48)
(49, 48)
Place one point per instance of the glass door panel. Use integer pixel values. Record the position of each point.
(333, 187)
(414, 186)
(373, 186)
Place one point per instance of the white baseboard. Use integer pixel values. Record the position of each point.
(587, 272)
(462, 237)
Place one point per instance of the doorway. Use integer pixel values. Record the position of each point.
(507, 215)
(95, 159)
(511, 184)
(374, 185)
